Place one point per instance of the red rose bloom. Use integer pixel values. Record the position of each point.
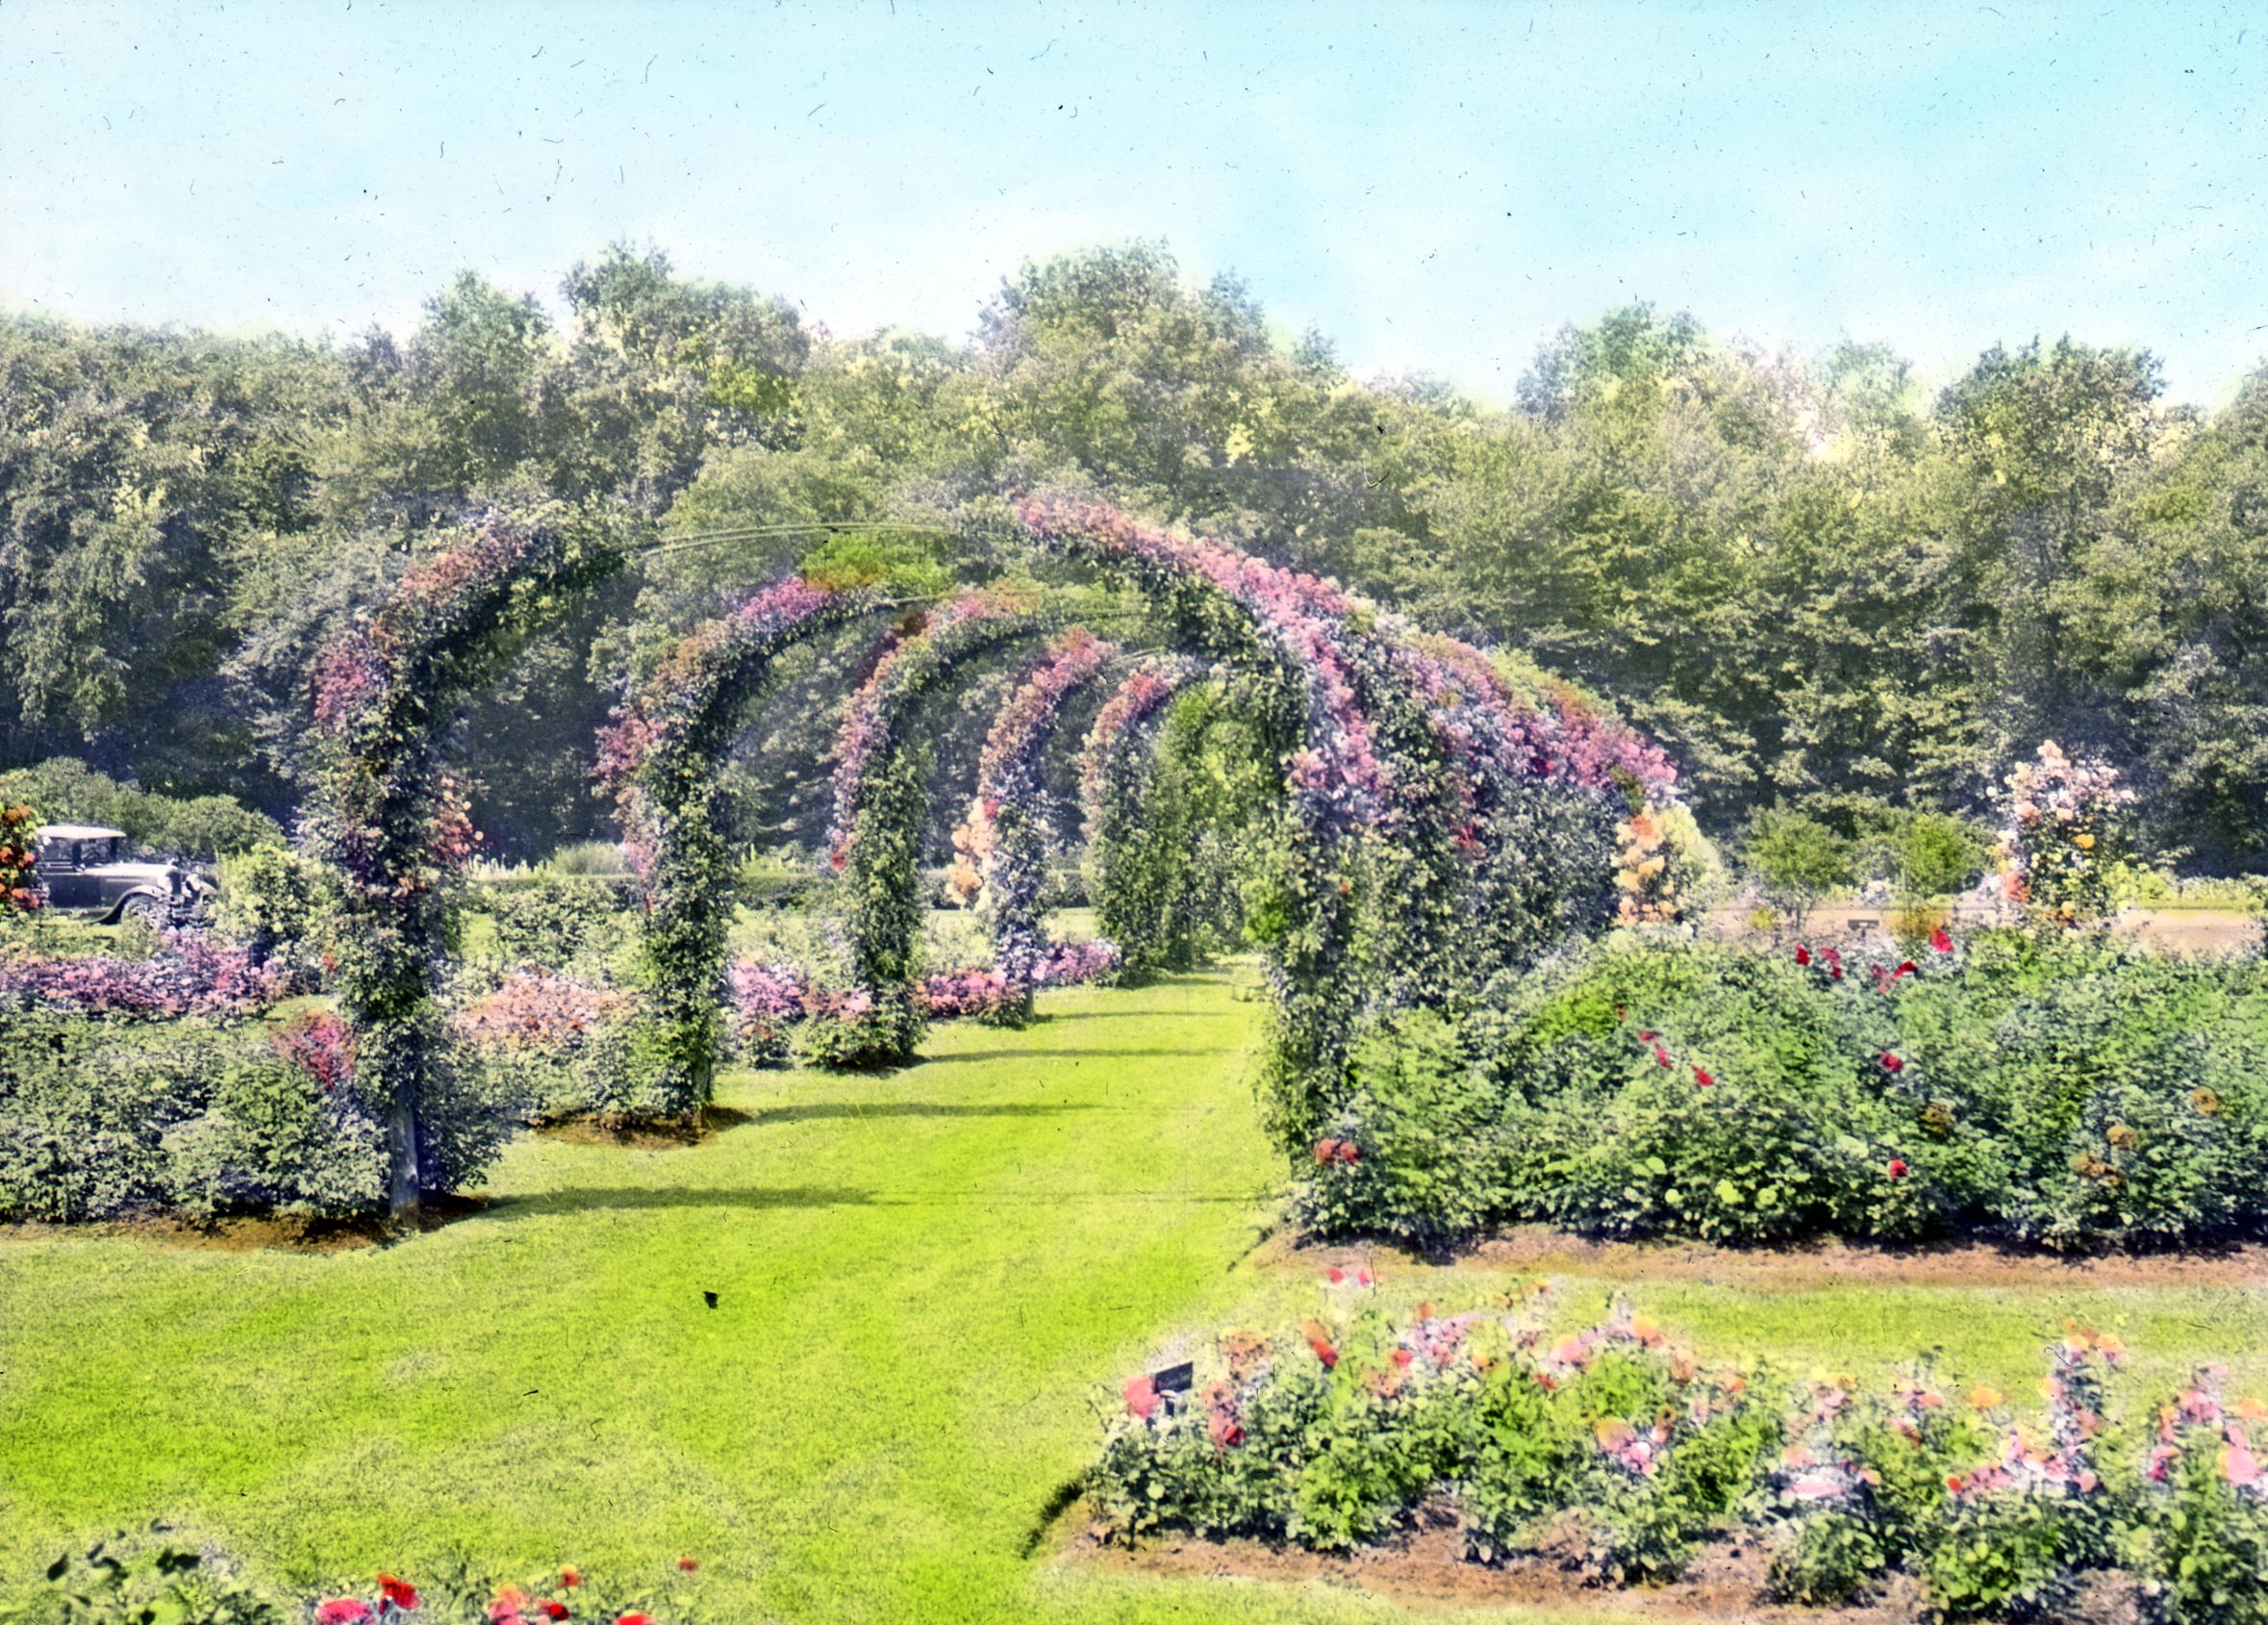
(1898, 1167)
(555, 1611)
(1941, 941)
(687, 1565)
(1892, 1063)
(399, 1592)
(1326, 1150)
(1802, 954)
(1700, 1075)
(1349, 1151)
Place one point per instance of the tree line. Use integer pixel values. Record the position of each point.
(1823, 587)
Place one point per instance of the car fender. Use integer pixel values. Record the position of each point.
(117, 911)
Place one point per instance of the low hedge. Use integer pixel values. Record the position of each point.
(2066, 1092)
(106, 1118)
(1619, 1451)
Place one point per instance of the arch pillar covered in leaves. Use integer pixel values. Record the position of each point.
(1114, 771)
(1008, 836)
(880, 796)
(660, 755)
(387, 818)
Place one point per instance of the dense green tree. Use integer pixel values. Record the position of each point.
(1822, 591)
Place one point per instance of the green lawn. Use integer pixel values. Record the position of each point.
(923, 1280)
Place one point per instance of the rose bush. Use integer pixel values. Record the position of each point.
(1619, 1451)
(2062, 1091)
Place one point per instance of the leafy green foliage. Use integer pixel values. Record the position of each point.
(67, 790)
(1799, 859)
(101, 1119)
(276, 903)
(2069, 1092)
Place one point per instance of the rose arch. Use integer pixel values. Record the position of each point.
(1432, 826)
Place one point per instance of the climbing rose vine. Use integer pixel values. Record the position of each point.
(874, 844)
(659, 756)
(389, 820)
(2066, 826)
(1009, 834)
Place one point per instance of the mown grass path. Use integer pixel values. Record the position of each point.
(921, 1280)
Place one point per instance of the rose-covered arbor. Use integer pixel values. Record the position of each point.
(1008, 834)
(388, 819)
(1428, 827)
(880, 794)
(660, 756)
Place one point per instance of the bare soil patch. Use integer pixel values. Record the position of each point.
(1539, 1250)
(714, 1119)
(254, 1235)
(1727, 1582)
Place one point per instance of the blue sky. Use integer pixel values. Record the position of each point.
(1437, 188)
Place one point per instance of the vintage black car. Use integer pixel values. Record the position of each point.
(82, 871)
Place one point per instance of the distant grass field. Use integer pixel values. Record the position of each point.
(923, 1280)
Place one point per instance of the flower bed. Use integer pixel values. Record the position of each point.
(774, 1001)
(548, 1045)
(2061, 1090)
(1619, 1451)
(139, 1579)
(190, 975)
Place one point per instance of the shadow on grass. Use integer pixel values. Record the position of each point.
(954, 1056)
(588, 1199)
(1143, 1013)
(830, 1110)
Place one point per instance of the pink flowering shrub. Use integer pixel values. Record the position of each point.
(777, 1006)
(319, 1044)
(548, 1045)
(1620, 1450)
(190, 975)
(768, 1000)
(951, 995)
(1069, 963)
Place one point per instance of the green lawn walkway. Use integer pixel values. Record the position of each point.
(923, 1280)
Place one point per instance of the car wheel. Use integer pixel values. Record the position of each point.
(149, 910)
